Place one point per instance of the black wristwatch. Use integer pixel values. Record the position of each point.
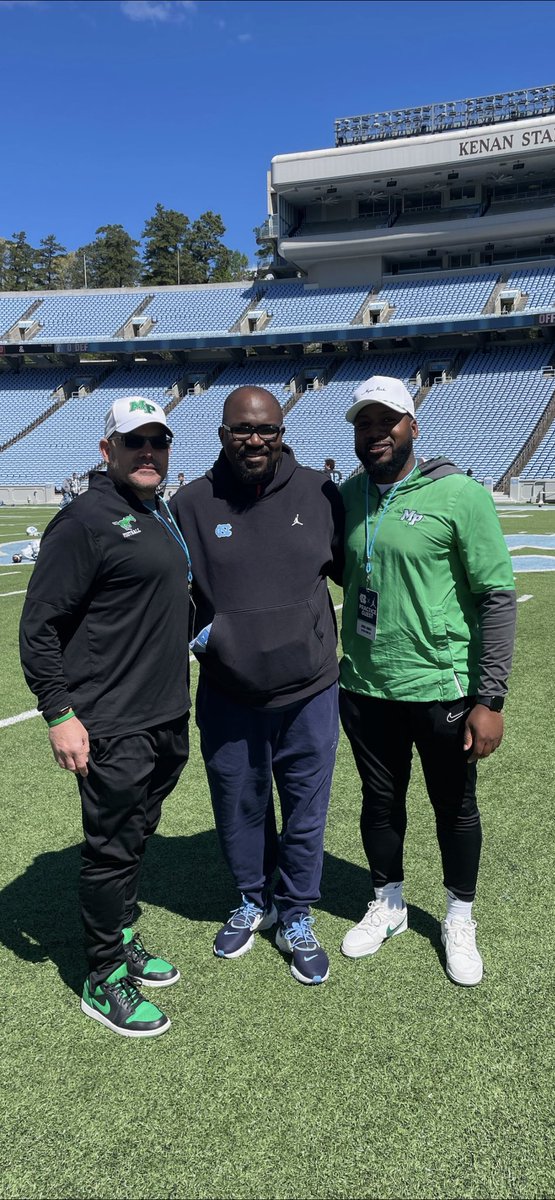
(494, 703)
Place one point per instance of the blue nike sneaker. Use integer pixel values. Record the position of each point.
(310, 964)
(236, 937)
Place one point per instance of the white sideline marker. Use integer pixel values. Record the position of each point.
(521, 599)
(33, 712)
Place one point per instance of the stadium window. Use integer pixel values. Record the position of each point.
(466, 192)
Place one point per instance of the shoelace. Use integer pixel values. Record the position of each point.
(378, 912)
(243, 917)
(461, 935)
(138, 952)
(299, 934)
(125, 994)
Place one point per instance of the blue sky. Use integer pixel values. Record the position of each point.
(118, 104)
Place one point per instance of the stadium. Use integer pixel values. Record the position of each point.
(421, 245)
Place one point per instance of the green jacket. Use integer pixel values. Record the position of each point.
(444, 578)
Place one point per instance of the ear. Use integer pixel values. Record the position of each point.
(104, 447)
(414, 428)
(221, 434)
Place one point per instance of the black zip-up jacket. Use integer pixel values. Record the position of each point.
(104, 626)
(260, 561)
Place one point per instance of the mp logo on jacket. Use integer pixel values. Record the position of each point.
(411, 517)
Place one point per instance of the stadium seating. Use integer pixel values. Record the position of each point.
(87, 315)
(23, 397)
(433, 299)
(483, 417)
(12, 309)
(537, 283)
(301, 306)
(542, 462)
(197, 310)
(68, 440)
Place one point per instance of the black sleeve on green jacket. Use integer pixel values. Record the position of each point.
(497, 616)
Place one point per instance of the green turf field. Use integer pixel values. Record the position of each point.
(388, 1081)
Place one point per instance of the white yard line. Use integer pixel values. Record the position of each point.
(3, 573)
(33, 712)
(521, 599)
(14, 593)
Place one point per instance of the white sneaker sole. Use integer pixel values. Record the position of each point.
(143, 980)
(365, 950)
(468, 982)
(136, 1033)
(266, 923)
(286, 948)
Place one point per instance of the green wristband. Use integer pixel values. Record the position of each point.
(59, 720)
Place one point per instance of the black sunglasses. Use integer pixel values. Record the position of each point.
(135, 441)
(242, 433)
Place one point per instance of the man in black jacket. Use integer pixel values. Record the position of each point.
(105, 613)
(264, 534)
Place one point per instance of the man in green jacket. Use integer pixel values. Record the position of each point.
(428, 633)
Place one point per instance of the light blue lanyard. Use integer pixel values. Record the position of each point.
(370, 544)
(172, 527)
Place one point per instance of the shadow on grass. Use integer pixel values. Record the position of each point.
(39, 914)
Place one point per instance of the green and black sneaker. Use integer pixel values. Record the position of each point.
(117, 1004)
(143, 967)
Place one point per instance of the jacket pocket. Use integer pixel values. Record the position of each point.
(276, 650)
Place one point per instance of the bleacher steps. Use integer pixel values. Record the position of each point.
(137, 325)
(529, 447)
(489, 308)
(24, 328)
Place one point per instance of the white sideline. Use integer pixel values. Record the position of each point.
(33, 712)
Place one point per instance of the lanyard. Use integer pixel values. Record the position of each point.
(370, 544)
(172, 527)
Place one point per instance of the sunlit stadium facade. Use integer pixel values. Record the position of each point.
(422, 244)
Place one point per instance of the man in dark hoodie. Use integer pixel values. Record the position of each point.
(105, 612)
(427, 631)
(264, 533)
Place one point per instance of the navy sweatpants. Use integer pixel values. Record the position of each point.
(244, 749)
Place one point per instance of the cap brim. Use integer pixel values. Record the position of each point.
(353, 411)
(132, 425)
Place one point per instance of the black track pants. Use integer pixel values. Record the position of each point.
(382, 734)
(121, 799)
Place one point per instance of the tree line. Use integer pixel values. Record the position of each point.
(173, 250)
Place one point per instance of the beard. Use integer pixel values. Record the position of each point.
(388, 472)
(254, 478)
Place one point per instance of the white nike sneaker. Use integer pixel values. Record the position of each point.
(378, 924)
(463, 962)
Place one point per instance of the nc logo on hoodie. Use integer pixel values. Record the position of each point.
(223, 531)
(411, 516)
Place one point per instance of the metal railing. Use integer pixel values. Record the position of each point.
(437, 118)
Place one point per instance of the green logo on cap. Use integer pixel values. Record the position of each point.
(141, 406)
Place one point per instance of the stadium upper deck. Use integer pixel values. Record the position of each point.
(462, 184)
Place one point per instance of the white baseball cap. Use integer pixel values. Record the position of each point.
(381, 389)
(130, 412)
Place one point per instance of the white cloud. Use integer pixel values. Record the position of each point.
(161, 11)
(244, 37)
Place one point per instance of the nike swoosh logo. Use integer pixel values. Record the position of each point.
(391, 929)
(451, 717)
(309, 957)
(104, 1007)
